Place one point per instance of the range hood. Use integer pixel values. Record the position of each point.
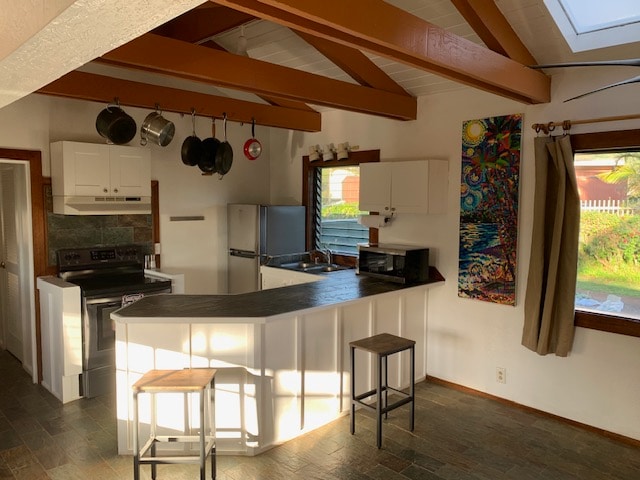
(85, 205)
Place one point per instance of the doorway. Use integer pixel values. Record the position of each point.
(17, 290)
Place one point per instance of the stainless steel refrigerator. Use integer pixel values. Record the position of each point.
(256, 232)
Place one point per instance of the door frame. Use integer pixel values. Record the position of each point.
(38, 183)
(38, 232)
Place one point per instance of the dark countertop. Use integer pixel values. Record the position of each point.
(338, 287)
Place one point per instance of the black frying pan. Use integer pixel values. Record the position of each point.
(207, 162)
(192, 146)
(224, 153)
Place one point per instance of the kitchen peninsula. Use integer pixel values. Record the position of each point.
(282, 354)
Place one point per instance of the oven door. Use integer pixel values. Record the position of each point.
(98, 334)
(98, 341)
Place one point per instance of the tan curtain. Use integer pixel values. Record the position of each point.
(551, 285)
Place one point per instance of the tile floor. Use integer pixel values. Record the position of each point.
(457, 436)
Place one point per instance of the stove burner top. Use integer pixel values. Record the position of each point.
(100, 258)
(119, 285)
(107, 271)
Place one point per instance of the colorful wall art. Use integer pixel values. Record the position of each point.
(489, 209)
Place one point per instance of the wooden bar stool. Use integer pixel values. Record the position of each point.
(189, 380)
(382, 346)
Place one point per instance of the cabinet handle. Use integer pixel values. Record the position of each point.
(115, 190)
(393, 209)
(386, 208)
(105, 190)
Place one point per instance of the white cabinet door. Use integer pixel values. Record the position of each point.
(404, 187)
(130, 171)
(96, 170)
(79, 169)
(375, 187)
(438, 186)
(410, 187)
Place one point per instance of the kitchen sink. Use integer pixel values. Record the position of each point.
(306, 265)
(331, 268)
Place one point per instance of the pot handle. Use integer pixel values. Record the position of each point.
(193, 122)
(224, 124)
(253, 127)
(115, 103)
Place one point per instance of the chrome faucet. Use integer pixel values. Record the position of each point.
(327, 254)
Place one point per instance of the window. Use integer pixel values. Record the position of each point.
(330, 193)
(591, 24)
(608, 284)
(337, 213)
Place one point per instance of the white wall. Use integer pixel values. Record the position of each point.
(196, 248)
(598, 384)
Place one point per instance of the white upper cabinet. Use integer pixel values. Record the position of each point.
(404, 187)
(87, 169)
(130, 169)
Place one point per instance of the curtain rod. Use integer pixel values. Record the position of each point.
(566, 124)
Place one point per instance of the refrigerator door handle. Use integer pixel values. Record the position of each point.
(242, 253)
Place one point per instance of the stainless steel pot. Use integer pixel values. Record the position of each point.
(157, 129)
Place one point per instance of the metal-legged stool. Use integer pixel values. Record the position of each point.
(382, 346)
(190, 380)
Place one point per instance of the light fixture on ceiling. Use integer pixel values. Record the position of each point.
(242, 43)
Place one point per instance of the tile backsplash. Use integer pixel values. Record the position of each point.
(73, 231)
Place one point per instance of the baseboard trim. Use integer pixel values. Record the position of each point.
(605, 433)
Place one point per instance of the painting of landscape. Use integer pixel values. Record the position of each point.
(489, 208)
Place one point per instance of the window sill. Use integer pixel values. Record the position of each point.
(607, 323)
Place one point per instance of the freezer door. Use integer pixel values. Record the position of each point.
(282, 229)
(242, 227)
(244, 272)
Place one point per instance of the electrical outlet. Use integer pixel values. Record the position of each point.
(501, 375)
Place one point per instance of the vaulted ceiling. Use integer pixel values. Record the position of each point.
(301, 56)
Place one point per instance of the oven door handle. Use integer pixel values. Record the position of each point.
(98, 300)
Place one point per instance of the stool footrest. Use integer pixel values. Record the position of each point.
(169, 460)
(370, 393)
(388, 408)
(176, 439)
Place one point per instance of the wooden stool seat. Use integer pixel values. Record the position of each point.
(189, 380)
(382, 346)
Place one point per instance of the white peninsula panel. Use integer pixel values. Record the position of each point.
(61, 333)
(278, 377)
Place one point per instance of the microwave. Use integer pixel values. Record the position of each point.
(396, 263)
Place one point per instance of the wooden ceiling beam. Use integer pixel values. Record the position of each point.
(159, 54)
(202, 23)
(494, 30)
(99, 88)
(283, 102)
(383, 29)
(354, 63)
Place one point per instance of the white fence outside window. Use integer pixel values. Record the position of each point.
(616, 207)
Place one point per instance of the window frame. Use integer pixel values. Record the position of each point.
(594, 143)
(310, 170)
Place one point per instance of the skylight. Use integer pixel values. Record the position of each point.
(591, 24)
